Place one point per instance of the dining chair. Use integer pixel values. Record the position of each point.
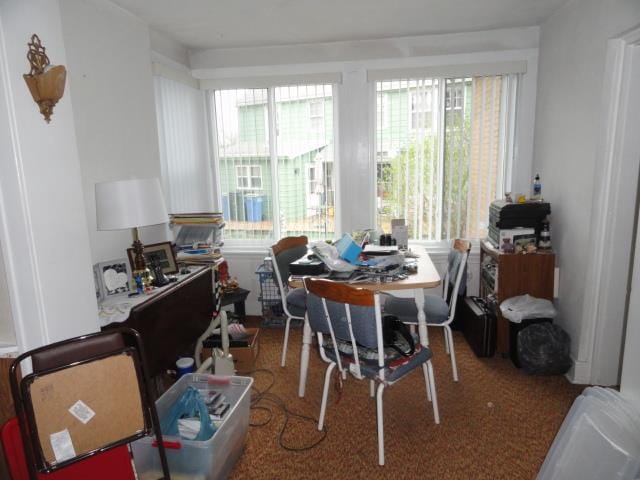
(294, 305)
(438, 311)
(349, 327)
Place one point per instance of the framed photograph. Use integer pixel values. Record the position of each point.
(157, 254)
(113, 278)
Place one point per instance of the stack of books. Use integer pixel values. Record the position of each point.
(199, 237)
(202, 218)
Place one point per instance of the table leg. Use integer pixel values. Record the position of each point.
(304, 356)
(418, 294)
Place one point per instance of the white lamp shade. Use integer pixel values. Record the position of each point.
(130, 203)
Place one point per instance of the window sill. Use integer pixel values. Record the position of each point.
(262, 247)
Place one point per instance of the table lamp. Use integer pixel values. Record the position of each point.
(131, 204)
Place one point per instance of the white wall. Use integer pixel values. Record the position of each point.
(570, 123)
(109, 63)
(7, 330)
(42, 222)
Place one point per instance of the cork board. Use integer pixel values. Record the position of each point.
(108, 387)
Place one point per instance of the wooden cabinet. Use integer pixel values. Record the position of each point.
(514, 275)
(170, 321)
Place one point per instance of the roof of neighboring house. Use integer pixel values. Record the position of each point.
(292, 150)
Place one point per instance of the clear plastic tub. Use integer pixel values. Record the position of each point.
(200, 460)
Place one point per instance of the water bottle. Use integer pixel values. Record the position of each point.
(537, 188)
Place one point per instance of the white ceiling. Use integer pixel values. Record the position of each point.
(200, 24)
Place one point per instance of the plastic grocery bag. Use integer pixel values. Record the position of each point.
(331, 258)
(543, 349)
(189, 405)
(524, 307)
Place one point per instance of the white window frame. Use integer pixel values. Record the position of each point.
(248, 174)
(506, 153)
(252, 245)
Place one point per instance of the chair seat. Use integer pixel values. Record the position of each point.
(396, 366)
(435, 308)
(297, 302)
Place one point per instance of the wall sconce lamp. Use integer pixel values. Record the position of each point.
(45, 82)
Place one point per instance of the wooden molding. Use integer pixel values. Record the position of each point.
(339, 292)
(289, 242)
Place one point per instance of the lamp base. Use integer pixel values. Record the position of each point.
(146, 275)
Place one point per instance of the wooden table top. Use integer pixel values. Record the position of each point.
(426, 277)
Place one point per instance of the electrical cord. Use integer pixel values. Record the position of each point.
(259, 397)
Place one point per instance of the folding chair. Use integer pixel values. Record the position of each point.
(86, 396)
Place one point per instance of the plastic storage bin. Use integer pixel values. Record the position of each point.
(211, 459)
(599, 439)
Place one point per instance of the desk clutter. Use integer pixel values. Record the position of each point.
(198, 236)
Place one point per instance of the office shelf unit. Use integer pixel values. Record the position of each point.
(514, 274)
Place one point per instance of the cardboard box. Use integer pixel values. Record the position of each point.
(244, 358)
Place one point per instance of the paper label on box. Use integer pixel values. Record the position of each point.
(82, 412)
(62, 445)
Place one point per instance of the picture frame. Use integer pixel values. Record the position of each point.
(161, 253)
(113, 279)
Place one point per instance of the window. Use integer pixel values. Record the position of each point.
(454, 96)
(316, 115)
(441, 171)
(421, 95)
(276, 180)
(249, 177)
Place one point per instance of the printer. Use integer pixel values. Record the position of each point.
(508, 219)
(310, 264)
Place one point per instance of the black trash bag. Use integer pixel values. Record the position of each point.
(543, 349)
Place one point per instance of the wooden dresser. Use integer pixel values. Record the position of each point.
(171, 320)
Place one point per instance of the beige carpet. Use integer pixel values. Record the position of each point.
(496, 422)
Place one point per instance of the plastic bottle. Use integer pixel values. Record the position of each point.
(537, 188)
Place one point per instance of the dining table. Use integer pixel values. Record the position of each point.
(413, 285)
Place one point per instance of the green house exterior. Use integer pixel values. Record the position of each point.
(305, 155)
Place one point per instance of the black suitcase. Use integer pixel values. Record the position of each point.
(479, 326)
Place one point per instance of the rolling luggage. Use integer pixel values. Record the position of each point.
(479, 326)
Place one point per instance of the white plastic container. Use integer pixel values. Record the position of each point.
(212, 459)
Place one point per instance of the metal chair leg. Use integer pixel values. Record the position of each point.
(286, 341)
(426, 380)
(372, 388)
(446, 340)
(434, 396)
(380, 417)
(325, 394)
(454, 366)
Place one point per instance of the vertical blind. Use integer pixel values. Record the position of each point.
(440, 146)
(184, 157)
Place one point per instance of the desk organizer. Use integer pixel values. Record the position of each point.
(203, 460)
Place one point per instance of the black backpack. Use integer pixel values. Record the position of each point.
(392, 329)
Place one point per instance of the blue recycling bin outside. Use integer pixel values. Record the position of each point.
(226, 207)
(253, 208)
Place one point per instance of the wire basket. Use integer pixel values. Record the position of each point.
(272, 312)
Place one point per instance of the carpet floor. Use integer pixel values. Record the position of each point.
(496, 422)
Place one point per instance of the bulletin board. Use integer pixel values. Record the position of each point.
(86, 406)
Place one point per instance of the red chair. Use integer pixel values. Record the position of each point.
(108, 465)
